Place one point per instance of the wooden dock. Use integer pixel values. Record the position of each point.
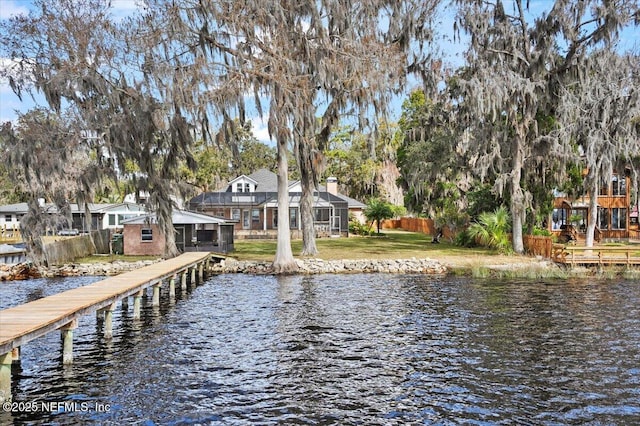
(23, 323)
(627, 255)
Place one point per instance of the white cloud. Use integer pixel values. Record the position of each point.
(13, 7)
(121, 9)
(260, 131)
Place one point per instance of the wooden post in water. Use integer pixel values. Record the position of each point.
(125, 304)
(156, 293)
(137, 300)
(5, 377)
(15, 353)
(66, 332)
(108, 321)
(172, 288)
(201, 272)
(184, 281)
(193, 277)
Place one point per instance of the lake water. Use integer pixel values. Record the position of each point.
(345, 350)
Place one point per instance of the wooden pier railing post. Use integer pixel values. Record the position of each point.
(66, 332)
(5, 376)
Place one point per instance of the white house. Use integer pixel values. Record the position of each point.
(103, 216)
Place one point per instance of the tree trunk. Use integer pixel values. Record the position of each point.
(306, 215)
(593, 212)
(170, 248)
(517, 197)
(284, 261)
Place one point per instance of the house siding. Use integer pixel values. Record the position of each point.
(133, 244)
(607, 203)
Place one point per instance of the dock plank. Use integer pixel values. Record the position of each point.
(28, 321)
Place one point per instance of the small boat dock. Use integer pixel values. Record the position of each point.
(21, 324)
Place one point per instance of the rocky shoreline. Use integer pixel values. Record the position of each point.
(320, 266)
(23, 271)
(230, 266)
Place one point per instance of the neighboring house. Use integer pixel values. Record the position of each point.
(193, 232)
(253, 202)
(615, 218)
(103, 216)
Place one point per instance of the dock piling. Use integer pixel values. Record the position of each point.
(137, 301)
(67, 341)
(15, 353)
(156, 294)
(5, 376)
(172, 288)
(108, 321)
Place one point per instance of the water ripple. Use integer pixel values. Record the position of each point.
(349, 350)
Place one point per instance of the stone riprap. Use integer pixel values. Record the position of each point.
(320, 266)
(106, 268)
(231, 266)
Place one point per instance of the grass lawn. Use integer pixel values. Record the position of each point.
(393, 244)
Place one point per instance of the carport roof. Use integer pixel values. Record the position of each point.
(180, 217)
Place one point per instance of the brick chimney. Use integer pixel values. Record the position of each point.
(332, 185)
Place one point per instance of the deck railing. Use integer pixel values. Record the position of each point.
(599, 255)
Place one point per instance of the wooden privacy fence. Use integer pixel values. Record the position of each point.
(533, 244)
(416, 224)
(537, 245)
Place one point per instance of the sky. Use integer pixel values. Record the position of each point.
(9, 102)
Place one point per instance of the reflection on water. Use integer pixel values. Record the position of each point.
(350, 349)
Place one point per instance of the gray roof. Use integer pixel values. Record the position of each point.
(267, 181)
(266, 192)
(23, 208)
(179, 217)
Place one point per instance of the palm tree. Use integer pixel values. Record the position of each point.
(378, 210)
(492, 230)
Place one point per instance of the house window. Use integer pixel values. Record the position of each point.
(147, 234)
(618, 218)
(247, 187)
(322, 215)
(275, 218)
(239, 186)
(245, 219)
(604, 186)
(558, 218)
(112, 220)
(255, 216)
(603, 218)
(619, 185)
(293, 218)
(235, 214)
(8, 218)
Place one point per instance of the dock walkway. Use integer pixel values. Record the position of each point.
(23, 323)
